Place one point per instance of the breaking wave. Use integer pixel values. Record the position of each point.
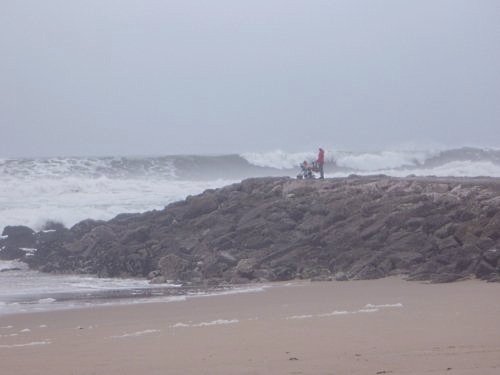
(456, 162)
(70, 189)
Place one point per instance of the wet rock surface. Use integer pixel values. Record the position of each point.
(267, 229)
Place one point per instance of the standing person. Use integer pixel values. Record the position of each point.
(321, 161)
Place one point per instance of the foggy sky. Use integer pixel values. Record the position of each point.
(103, 77)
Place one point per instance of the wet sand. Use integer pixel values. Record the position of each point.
(303, 328)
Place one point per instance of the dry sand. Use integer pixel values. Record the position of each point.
(305, 328)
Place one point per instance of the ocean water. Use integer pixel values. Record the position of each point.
(67, 190)
(24, 290)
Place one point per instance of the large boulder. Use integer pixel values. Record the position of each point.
(173, 267)
(8, 252)
(246, 268)
(492, 256)
(200, 205)
(17, 241)
(19, 236)
(484, 270)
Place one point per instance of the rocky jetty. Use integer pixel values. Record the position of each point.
(267, 229)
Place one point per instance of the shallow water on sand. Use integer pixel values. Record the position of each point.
(23, 290)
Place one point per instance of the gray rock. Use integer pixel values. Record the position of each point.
(11, 252)
(492, 256)
(447, 242)
(445, 278)
(172, 266)
(484, 270)
(321, 277)
(158, 280)
(154, 274)
(285, 272)
(405, 260)
(280, 229)
(138, 235)
(246, 267)
(341, 276)
(16, 239)
(226, 257)
(200, 205)
(494, 278)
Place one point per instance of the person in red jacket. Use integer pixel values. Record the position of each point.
(321, 161)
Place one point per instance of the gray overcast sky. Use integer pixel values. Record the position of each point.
(103, 77)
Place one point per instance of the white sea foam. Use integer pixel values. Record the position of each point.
(360, 161)
(398, 163)
(384, 160)
(206, 324)
(33, 343)
(456, 168)
(367, 310)
(12, 264)
(278, 159)
(136, 334)
(306, 316)
(180, 325)
(334, 313)
(240, 290)
(323, 315)
(216, 322)
(33, 202)
(370, 306)
(28, 250)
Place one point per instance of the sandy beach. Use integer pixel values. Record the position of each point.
(387, 326)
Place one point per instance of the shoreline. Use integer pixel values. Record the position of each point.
(357, 327)
(75, 300)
